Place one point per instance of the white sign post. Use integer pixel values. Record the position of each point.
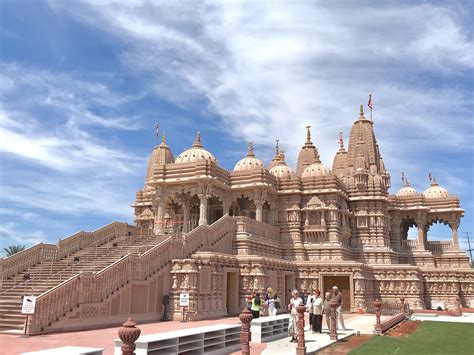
(27, 308)
(184, 302)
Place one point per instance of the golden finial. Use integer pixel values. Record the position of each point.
(341, 141)
(250, 152)
(163, 138)
(197, 143)
(361, 111)
(282, 156)
(308, 134)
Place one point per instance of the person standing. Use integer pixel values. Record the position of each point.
(309, 308)
(317, 313)
(295, 301)
(256, 306)
(339, 303)
(272, 304)
(327, 309)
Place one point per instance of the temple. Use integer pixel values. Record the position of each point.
(220, 235)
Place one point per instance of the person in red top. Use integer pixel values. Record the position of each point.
(339, 303)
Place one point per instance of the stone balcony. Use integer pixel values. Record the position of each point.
(436, 247)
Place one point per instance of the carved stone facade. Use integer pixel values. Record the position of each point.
(300, 229)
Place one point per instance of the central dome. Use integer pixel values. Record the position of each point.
(249, 162)
(316, 170)
(195, 153)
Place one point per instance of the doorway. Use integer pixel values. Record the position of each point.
(343, 283)
(232, 293)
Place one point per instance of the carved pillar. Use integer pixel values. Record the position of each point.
(454, 223)
(300, 348)
(245, 317)
(421, 224)
(128, 334)
(306, 220)
(259, 200)
(160, 209)
(333, 332)
(202, 209)
(378, 325)
(421, 236)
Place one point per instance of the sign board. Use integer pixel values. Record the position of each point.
(28, 306)
(184, 299)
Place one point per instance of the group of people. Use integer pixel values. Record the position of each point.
(316, 306)
(269, 302)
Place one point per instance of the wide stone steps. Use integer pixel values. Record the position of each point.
(51, 273)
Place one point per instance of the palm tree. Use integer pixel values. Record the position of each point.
(13, 249)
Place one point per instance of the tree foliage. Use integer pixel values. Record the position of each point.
(13, 249)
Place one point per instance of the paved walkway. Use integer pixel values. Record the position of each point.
(464, 318)
(104, 338)
(364, 324)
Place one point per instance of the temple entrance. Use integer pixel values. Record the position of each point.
(344, 285)
(232, 293)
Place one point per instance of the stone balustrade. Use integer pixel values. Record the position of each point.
(82, 239)
(256, 228)
(440, 247)
(94, 287)
(23, 260)
(409, 245)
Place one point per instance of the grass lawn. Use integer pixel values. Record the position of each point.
(428, 338)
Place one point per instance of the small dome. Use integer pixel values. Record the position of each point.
(249, 162)
(195, 153)
(281, 170)
(435, 191)
(316, 169)
(406, 190)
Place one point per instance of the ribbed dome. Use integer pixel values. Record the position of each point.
(435, 191)
(406, 190)
(161, 155)
(249, 162)
(315, 170)
(281, 170)
(195, 153)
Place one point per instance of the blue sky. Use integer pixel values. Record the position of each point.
(83, 83)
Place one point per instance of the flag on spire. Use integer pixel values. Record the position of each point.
(370, 101)
(430, 177)
(157, 130)
(403, 176)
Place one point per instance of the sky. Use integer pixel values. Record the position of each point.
(83, 83)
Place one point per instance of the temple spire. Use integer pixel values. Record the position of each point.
(250, 152)
(308, 135)
(163, 138)
(157, 131)
(341, 141)
(197, 143)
